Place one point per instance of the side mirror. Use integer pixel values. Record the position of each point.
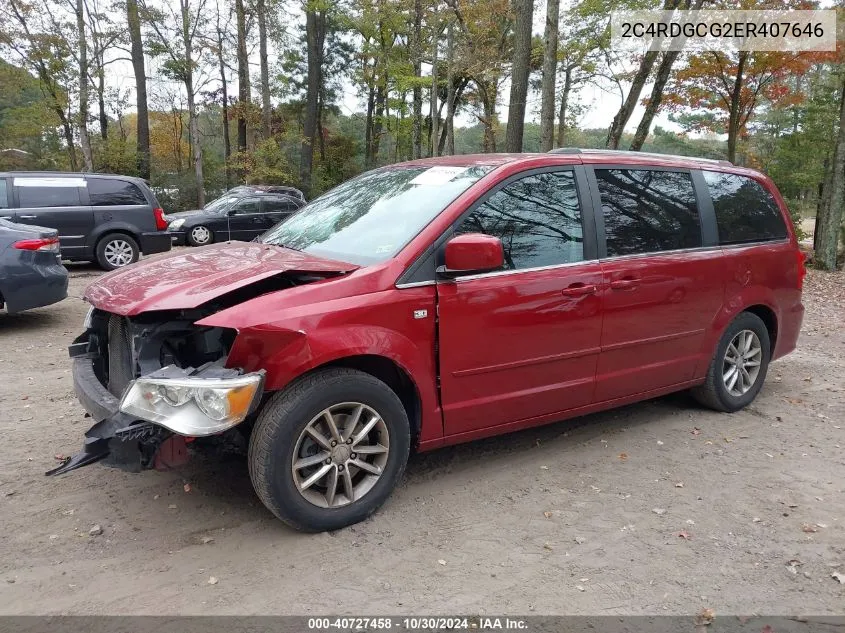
(473, 252)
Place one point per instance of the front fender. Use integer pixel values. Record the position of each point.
(386, 324)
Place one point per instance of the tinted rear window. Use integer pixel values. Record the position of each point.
(648, 211)
(4, 197)
(48, 192)
(109, 192)
(745, 210)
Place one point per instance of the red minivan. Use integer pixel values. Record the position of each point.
(435, 302)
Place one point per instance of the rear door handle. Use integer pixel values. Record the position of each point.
(624, 284)
(27, 217)
(579, 290)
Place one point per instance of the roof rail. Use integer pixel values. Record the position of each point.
(578, 150)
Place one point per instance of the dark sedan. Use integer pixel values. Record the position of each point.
(231, 217)
(31, 271)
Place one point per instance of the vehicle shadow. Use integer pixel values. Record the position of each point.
(29, 321)
(228, 474)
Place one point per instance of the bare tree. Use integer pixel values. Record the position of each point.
(82, 60)
(266, 106)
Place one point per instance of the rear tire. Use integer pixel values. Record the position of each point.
(199, 236)
(292, 444)
(738, 368)
(117, 250)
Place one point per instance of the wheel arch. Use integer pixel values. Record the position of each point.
(393, 375)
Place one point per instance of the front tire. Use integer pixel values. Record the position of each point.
(327, 451)
(117, 250)
(200, 236)
(739, 366)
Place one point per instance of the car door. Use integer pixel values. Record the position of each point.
(245, 219)
(523, 342)
(663, 280)
(58, 203)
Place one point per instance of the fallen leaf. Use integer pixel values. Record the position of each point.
(441, 561)
(580, 588)
(544, 467)
(172, 506)
(623, 456)
(212, 581)
(547, 514)
(659, 511)
(187, 487)
(679, 484)
(59, 457)
(810, 528)
(838, 575)
(794, 400)
(207, 539)
(685, 535)
(659, 443)
(696, 431)
(704, 617)
(547, 546)
(580, 540)
(690, 522)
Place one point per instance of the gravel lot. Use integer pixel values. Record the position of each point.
(656, 508)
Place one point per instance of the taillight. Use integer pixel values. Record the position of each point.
(42, 244)
(802, 269)
(161, 223)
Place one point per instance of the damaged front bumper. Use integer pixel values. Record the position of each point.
(148, 427)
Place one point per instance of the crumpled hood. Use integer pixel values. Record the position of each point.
(187, 279)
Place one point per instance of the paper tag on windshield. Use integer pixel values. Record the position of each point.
(438, 175)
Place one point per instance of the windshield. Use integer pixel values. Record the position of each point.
(219, 205)
(370, 218)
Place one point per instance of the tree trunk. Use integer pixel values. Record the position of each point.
(68, 131)
(829, 222)
(243, 76)
(266, 107)
(564, 103)
(84, 141)
(450, 90)
(224, 84)
(660, 80)
(143, 142)
(193, 121)
(734, 117)
(368, 127)
(523, 11)
(101, 101)
(416, 129)
(488, 99)
(435, 134)
(309, 127)
(378, 121)
(547, 106)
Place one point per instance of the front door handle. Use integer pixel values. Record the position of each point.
(579, 290)
(625, 284)
(27, 217)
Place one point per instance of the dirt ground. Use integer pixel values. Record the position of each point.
(660, 507)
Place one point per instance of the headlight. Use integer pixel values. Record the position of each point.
(176, 224)
(193, 406)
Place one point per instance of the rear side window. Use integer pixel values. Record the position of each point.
(246, 206)
(36, 193)
(4, 196)
(275, 205)
(648, 211)
(538, 219)
(105, 192)
(745, 210)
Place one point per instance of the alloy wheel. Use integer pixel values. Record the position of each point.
(200, 234)
(741, 365)
(340, 455)
(118, 253)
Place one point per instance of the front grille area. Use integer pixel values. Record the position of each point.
(120, 366)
